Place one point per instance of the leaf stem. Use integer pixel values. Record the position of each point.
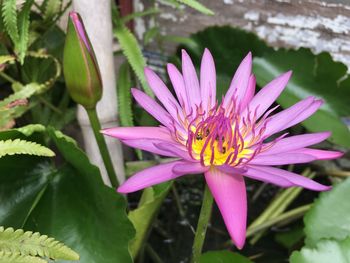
(7, 77)
(202, 225)
(96, 127)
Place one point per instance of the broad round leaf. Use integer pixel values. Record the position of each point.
(223, 256)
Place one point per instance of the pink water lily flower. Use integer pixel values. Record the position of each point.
(226, 141)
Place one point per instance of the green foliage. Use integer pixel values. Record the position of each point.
(52, 8)
(34, 244)
(147, 12)
(223, 256)
(91, 220)
(143, 216)
(17, 146)
(327, 228)
(131, 50)
(9, 16)
(198, 6)
(124, 95)
(8, 257)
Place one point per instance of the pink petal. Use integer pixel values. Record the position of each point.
(295, 179)
(239, 81)
(129, 133)
(190, 168)
(230, 195)
(306, 113)
(254, 172)
(282, 159)
(319, 154)
(284, 119)
(150, 176)
(296, 142)
(179, 86)
(249, 94)
(149, 145)
(267, 95)
(152, 107)
(191, 80)
(162, 93)
(208, 81)
(176, 149)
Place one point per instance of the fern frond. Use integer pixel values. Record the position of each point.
(30, 129)
(124, 95)
(198, 6)
(34, 244)
(9, 16)
(52, 7)
(4, 59)
(8, 257)
(18, 146)
(132, 52)
(23, 22)
(26, 92)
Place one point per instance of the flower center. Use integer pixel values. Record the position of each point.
(217, 140)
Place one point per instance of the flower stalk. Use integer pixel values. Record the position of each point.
(96, 127)
(202, 225)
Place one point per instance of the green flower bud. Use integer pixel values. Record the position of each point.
(80, 68)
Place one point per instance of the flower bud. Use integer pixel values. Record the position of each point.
(80, 68)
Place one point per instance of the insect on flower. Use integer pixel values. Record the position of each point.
(225, 141)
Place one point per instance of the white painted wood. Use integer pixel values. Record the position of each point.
(97, 19)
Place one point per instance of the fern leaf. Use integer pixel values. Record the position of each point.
(34, 244)
(26, 92)
(198, 6)
(147, 12)
(8, 257)
(18, 146)
(4, 59)
(124, 95)
(9, 16)
(52, 7)
(23, 22)
(31, 128)
(132, 52)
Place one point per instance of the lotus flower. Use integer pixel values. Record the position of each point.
(227, 141)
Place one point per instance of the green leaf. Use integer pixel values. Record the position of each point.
(31, 128)
(8, 257)
(34, 244)
(325, 251)
(198, 6)
(52, 8)
(223, 256)
(69, 202)
(23, 26)
(147, 12)
(124, 95)
(142, 217)
(17, 146)
(132, 52)
(330, 215)
(319, 76)
(9, 16)
(26, 92)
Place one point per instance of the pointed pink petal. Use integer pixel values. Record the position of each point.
(152, 107)
(295, 179)
(239, 81)
(179, 86)
(296, 142)
(176, 149)
(268, 94)
(254, 172)
(249, 94)
(208, 81)
(319, 154)
(129, 133)
(282, 159)
(190, 168)
(306, 113)
(284, 119)
(150, 176)
(230, 195)
(191, 80)
(162, 93)
(149, 145)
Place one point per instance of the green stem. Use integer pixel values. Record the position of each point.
(96, 127)
(7, 77)
(202, 225)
